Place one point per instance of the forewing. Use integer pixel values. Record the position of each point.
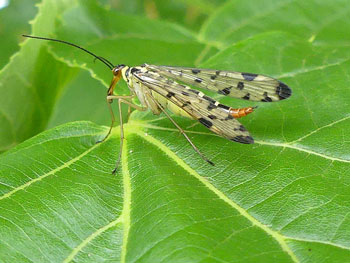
(210, 113)
(240, 85)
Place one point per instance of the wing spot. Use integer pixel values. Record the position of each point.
(283, 91)
(225, 91)
(213, 77)
(213, 117)
(266, 98)
(246, 96)
(249, 76)
(211, 106)
(222, 106)
(195, 71)
(240, 85)
(209, 99)
(240, 128)
(199, 80)
(205, 122)
(243, 139)
(170, 94)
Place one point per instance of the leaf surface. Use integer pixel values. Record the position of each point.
(321, 22)
(283, 199)
(30, 82)
(14, 22)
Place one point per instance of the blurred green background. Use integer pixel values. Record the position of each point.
(15, 15)
(66, 103)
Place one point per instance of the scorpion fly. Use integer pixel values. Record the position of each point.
(161, 88)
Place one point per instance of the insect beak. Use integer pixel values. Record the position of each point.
(117, 74)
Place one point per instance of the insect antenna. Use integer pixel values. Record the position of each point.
(103, 60)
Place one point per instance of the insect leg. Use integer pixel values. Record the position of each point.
(180, 129)
(109, 101)
(130, 104)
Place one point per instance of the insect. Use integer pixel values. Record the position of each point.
(162, 88)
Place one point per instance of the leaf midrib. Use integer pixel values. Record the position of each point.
(133, 127)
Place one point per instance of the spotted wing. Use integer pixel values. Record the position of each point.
(240, 85)
(210, 113)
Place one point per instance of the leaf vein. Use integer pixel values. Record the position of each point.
(320, 128)
(57, 169)
(277, 236)
(286, 145)
(91, 237)
(317, 241)
(127, 201)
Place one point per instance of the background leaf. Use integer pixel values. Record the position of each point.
(118, 44)
(30, 82)
(14, 22)
(283, 199)
(319, 21)
(188, 13)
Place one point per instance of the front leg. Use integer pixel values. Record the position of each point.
(130, 104)
(109, 101)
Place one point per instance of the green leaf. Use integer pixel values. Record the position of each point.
(30, 82)
(187, 13)
(190, 14)
(283, 199)
(319, 21)
(259, 203)
(70, 108)
(14, 22)
(123, 39)
(32, 64)
(52, 186)
(118, 44)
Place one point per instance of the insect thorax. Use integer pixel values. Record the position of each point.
(143, 93)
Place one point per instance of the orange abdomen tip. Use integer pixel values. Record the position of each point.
(238, 113)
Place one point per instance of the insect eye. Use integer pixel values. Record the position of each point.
(115, 71)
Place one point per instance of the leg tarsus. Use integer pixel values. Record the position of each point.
(210, 162)
(112, 123)
(120, 101)
(121, 138)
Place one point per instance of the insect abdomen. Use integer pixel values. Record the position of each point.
(238, 113)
